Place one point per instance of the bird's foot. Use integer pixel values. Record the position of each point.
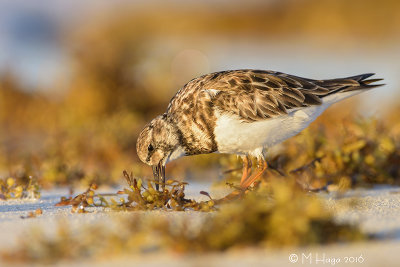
(245, 183)
(246, 168)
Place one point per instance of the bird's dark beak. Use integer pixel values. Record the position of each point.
(159, 171)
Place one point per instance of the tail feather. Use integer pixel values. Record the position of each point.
(368, 83)
(372, 81)
(364, 82)
(360, 77)
(352, 83)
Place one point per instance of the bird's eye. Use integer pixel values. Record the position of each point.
(150, 148)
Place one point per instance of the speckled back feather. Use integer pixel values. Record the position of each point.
(253, 95)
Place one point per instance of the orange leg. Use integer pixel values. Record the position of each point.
(244, 184)
(246, 180)
(246, 168)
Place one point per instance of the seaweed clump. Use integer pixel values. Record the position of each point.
(273, 215)
(12, 188)
(276, 214)
(138, 197)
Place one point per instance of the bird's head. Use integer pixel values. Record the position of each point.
(157, 144)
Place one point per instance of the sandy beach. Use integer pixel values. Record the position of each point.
(376, 211)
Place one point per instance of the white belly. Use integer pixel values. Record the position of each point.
(236, 137)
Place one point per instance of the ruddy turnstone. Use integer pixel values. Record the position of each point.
(242, 112)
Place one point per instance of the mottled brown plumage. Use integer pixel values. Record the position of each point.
(251, 94)
(189, 125)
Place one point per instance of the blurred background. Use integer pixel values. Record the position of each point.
(80, 79)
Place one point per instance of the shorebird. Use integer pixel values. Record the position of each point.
(242, 112)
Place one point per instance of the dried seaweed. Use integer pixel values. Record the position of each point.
(81, 201)
(274, 215)
(12, 188)
(139, 197)
(32, 214)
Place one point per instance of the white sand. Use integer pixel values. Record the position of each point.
(377, 211)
